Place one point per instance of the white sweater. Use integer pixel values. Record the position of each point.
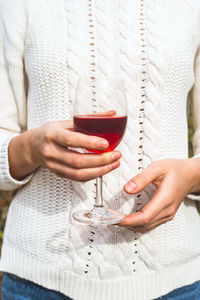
(45, 46)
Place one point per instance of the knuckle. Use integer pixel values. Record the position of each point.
(157, 167)
(69, 138)
(172, 212)
(46, 152)
(146, 220)
(171, 217)
(77, 161)
(89, 141)
(145, 177)
(105, 159)
(107, 168)
(79, 176)
(141, 178)
(48, 135)
(103, 170)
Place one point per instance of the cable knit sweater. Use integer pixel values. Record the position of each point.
(45, 46)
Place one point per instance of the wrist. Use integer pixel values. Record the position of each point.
(195, 175)
(29, 145)
(21, 153)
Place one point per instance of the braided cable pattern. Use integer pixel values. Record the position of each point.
(44, 244)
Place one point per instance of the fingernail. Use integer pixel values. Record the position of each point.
(102, 144)
(130, 186)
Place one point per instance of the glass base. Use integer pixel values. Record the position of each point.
(99, 216)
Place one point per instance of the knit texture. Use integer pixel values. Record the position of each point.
(45, 46)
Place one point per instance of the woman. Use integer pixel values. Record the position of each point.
(153, 45)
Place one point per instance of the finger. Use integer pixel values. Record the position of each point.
(84, 160)
(140, 181)
(145, 229)
(166, 213)
(83, 174)
(69, 138)
(162, 198)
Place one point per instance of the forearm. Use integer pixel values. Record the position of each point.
(21, 155)
(195, 175)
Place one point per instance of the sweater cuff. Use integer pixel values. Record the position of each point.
(196, 196)
(7, 182)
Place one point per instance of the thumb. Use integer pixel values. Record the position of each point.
(140, 181)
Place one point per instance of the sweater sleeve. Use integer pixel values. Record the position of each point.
(12, 84)
(195, 103)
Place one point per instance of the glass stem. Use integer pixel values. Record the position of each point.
(99, 192)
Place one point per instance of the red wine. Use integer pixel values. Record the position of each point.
(111, 128)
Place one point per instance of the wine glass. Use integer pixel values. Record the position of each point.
(100, 109)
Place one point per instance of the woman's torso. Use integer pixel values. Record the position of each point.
(151, 45)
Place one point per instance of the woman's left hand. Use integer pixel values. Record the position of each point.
(174, 179)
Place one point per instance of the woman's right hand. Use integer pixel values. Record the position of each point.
(50, 147)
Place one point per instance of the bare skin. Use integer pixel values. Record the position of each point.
(48, 146)
(174, 179)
